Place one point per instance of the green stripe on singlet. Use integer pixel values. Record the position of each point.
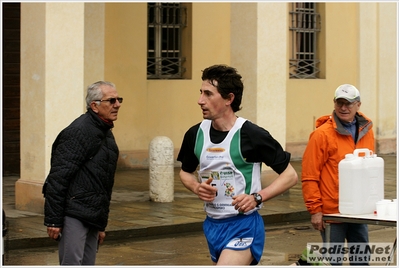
(244, 167)
(199, 143)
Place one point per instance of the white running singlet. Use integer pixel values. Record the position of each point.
(231, 174)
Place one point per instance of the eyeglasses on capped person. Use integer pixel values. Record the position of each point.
(112, 100)
(347, 104)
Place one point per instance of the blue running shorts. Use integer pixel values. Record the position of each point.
(237, 233)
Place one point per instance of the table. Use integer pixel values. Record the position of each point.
(363, 218)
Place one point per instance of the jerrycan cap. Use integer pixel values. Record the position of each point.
(349, 157)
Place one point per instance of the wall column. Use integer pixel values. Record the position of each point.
(387, 119)
(261, 58)
(52, 88)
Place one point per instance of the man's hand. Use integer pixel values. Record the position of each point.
(205, 191)
(54, 232)
(101, 237)
(244, 202)
(317, 221)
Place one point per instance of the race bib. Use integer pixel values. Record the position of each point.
(223, 180)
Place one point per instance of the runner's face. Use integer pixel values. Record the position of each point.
(211, 102)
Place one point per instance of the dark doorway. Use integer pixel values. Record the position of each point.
(11, 88)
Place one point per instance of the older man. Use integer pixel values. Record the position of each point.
(79, 185)
(335, 136)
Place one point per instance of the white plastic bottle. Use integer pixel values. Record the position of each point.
(361, 182)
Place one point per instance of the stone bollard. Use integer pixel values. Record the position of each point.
(161, 170)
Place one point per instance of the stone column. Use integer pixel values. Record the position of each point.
(52, 87)
(161, 166)
(261, 58)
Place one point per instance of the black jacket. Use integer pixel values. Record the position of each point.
(83, 163)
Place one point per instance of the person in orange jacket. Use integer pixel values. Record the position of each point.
(336, 135)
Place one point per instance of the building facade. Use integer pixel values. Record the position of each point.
(68, 45)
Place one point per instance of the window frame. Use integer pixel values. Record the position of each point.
(305, 27)
(166, 21)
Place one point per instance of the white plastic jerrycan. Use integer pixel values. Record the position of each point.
(361, 182)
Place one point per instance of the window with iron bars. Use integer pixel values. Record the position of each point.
(165, 23)
(305, 24)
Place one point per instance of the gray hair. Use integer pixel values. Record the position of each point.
(94, 91)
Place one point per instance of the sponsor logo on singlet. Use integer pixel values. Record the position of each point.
(215, 150)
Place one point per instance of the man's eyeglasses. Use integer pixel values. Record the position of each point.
(112, 100)
(347, 104)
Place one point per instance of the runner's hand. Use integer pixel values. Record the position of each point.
(244, 202)
(206, 192)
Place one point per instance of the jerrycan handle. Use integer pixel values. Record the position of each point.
(364, 152)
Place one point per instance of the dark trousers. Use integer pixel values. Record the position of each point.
(78, 244)
(352, 233)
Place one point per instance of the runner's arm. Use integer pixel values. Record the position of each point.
(282, 183)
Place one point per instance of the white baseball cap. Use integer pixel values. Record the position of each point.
(347, 92)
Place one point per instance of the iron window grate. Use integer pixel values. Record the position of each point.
(165, 23)
(305, 24)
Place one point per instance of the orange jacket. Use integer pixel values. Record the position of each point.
(327, 146)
